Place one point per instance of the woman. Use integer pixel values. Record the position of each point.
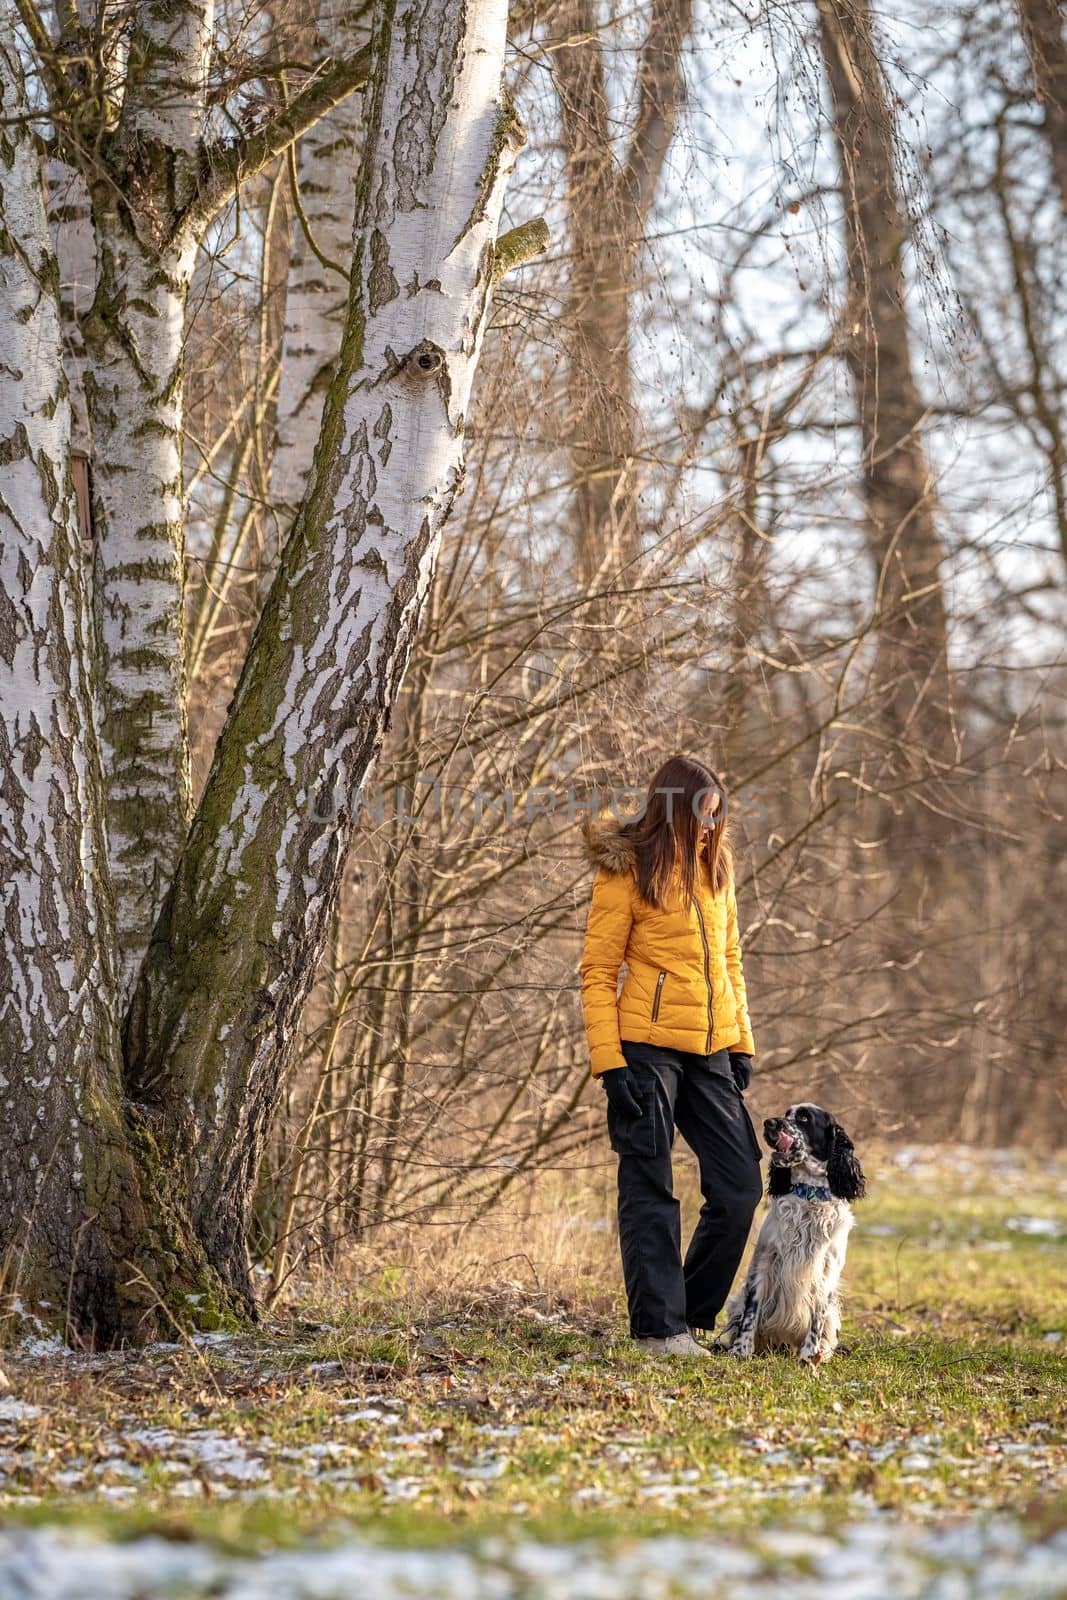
(674, 1048)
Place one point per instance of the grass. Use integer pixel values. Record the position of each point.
(425, 1403)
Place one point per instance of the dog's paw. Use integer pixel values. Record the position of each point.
(744, 1349)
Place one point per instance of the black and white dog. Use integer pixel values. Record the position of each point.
(789, 1296)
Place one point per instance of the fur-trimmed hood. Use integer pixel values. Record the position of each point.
(606, 846)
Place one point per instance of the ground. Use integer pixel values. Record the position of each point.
(437, 1432)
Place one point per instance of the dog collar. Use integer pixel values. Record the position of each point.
(810, 1191)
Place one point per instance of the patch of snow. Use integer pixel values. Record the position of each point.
(219, 1455)
(484, 1467)
(402, 1488)
(71, 1479)
(1041, 1227)
(48, 1347)
(12, 1410)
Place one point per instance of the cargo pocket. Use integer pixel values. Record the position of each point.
(635, 1136)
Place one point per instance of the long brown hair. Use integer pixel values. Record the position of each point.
(667, 835)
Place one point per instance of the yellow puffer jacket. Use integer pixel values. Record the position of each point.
(684, 987)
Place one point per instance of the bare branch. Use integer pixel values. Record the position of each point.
(230, 164)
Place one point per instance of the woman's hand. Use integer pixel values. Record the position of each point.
(616, 1083)
(741, 1067)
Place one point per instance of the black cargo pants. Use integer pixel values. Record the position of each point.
(696, 1093)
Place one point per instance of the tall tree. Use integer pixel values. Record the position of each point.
(83, 1223)
(232, 960)
(609, 205)
(129, 98)
(178, 1123)
(900, 504)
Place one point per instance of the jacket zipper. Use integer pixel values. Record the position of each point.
(707, 974)
(659, 991)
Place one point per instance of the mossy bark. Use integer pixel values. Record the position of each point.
(127, 1173)
(94, 1238)
(133, 339)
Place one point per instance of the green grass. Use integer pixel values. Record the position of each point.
(502, 1407)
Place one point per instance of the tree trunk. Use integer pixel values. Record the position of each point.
(242, 929)
(134, 336)
(95, 1228)
(75, 1231)
(608, 210)
(156, 184)
(70, 224)
(901, 526)
(317, 293)
(1042, 22)
(601, 421)
(608, 218)
(134, 339)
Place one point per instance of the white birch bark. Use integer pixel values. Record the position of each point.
(233, 957)
(166, 82)
(62, 1147)
(316, 296)
(70, 224)
(134, 343)
(134, 338)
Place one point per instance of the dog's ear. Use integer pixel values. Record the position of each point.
(844, 1175)
(781, 1181)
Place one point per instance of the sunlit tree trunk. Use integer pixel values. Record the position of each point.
(233, 957)
(95, 1230)
(134, 337)
(897, 485)
(155, 185)
(317, 291)
(75, 1229)
(608, 207)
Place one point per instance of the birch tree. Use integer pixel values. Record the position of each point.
(185, 1104)
(132, 127)
(82, 1215)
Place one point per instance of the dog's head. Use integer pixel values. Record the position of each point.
(809, 1145)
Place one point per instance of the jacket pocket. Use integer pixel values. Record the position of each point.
(657, 996)
(635, 1136)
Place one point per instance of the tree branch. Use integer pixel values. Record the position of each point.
(45, 48)
(519, 245)
(227, 165)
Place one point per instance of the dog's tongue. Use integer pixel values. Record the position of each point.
(785, 1142)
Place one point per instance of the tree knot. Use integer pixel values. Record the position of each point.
(425, 360)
